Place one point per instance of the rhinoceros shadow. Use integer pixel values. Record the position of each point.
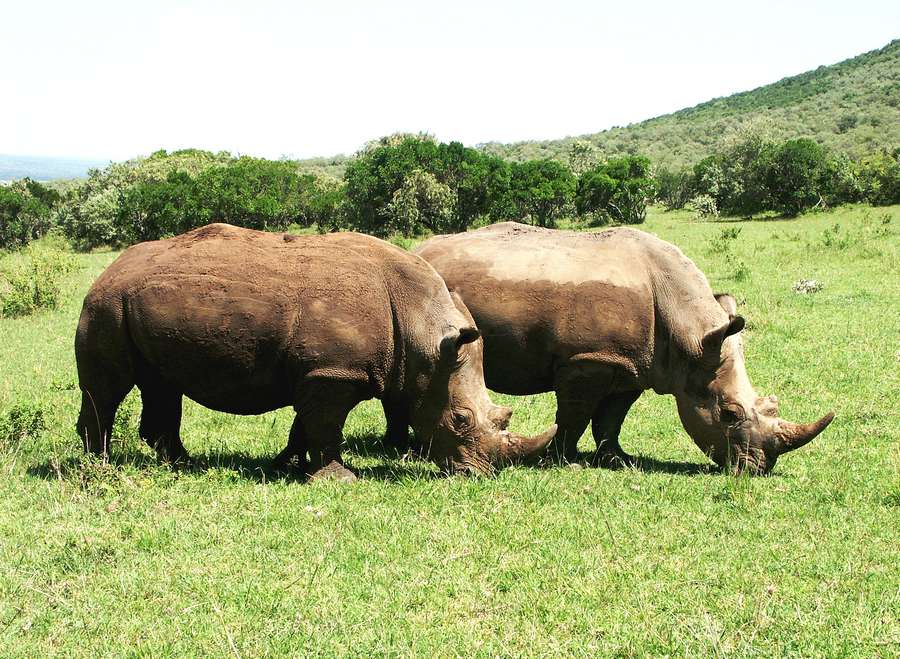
(651, 465)
(390, 465)
(365, 454)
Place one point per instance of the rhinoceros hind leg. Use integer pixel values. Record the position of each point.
(606, 425)
(322, 410)
(160, 423)
(95, 420)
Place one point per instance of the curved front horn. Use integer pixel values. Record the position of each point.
(518, 448)
(790, 436)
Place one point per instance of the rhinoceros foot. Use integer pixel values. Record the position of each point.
(613, 459)
(334, 471)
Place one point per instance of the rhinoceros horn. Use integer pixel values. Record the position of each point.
(518, 448)
(790, 436)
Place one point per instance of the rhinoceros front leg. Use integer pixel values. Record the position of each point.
(321, 412)
(573, 413)
(294, 454)
(396, 415)
(606, 425)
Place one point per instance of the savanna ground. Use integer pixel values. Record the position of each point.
(228, 558)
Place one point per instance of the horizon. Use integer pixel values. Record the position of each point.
(226, 78)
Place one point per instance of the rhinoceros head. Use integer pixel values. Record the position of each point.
(460, 427)
(725, 417)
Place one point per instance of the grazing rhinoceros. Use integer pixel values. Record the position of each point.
(246, 322)
(600, 317)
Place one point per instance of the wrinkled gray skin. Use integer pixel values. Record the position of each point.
(600, 317)
(246, 322)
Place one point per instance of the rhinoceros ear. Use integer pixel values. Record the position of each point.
(712, 342)
(455, 339)
(727, 302)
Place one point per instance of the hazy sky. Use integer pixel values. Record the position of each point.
(117, 79)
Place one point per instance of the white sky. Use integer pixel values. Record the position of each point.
(112, 80)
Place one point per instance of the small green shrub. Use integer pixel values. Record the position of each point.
(22, 421)
(35, 283)
(832, 238)
(721, 243)
(739, 270)
(704, 207)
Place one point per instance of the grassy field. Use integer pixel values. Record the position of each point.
(134, 558)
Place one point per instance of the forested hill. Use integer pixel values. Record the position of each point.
(852, 106)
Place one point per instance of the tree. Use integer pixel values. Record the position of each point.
(25, 208)
(421, 203)
(150, 210)
(378, 172)
(674, 188)
(541, 189)
(735, 177)
(880, 178)
(619, 189)
(582, 156)
(794, 175)
(254, 193)
(411, 183)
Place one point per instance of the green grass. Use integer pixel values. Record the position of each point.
(134, 558)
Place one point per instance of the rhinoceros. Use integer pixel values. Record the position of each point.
(246, 322)
(600, 317)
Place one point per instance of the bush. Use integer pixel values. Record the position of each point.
(540, 190)
(25, 212)
(795, 176)
(674, 189)
(620, 189)
(34, 284)
(411, 183)
(22, 421)
(704, 207)
(153, 198)
(253, 193)
(735, 177)
(880, 178)
(91, 213)
(150, 210)
(421, 203)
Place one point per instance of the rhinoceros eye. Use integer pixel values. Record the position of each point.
(463, 418)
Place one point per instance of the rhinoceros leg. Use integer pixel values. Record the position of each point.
(606, 425)
(294, 454)
(98, 411)
(573, 413)
(397, 434)
(104, 384)
(161, 421)
(322, 410)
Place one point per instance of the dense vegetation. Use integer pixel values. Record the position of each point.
(754, 175)
(25, 212)
(411, 185)
(852, 107)
(672, 558)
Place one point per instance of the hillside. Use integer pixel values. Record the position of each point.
(852, 106)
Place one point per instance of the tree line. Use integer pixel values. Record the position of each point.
(754, 175)
(412, 185)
